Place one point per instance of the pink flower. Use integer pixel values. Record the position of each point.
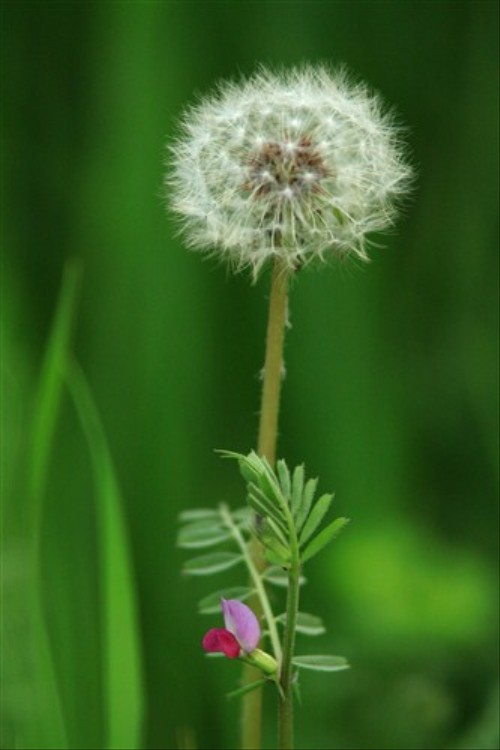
(241, 631)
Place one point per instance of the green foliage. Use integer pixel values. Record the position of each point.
(306, 624)
(210, 604)
(391, 390)
(286, 509)
(207, 565)
(286, 518)
(239, 692)
(321, 663)
(121, 662)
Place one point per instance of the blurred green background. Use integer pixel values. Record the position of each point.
(390, 395)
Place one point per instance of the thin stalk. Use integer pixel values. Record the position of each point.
(286, 675)
(273, 364)
(251, 724)
(257, 581)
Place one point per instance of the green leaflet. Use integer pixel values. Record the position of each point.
(317, 514)
(277, 556)
(260, 502)
(276, 576)
(321, 663)
(322, 539)
(198, 514)
(297, 487)
(284, 479)
(306, 502)
(208, 564)
(202, 534)
(306, 624)
(247, 688)
(272, 528)
(211, 604)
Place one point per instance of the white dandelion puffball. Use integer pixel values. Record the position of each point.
(297, 164)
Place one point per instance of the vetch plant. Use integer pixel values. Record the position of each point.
(289, 167)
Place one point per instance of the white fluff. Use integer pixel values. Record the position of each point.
(298, 164)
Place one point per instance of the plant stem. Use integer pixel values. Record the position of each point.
(257, 581)
(251, 726)
(273, 365)
(292, 608)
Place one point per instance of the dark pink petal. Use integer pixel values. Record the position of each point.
(242, 623)
(219, 640)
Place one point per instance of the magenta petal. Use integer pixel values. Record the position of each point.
(219, 640)
(241, 621)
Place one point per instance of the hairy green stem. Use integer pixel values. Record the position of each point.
(257, 582)
(286, 675)
(251, 723)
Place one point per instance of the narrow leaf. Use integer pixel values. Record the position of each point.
(263, 505)
(273, 527)
(46, 723)
(246, 464)
(272, 543)
(271, 488)
(198, 514)
(275, 557)
(211, 604)
(297, 487)
(322, 539)
(246, 688)
(208, 564)
(321, 663)
(122, 668)
(317, 514)
(199, 535)
(284, 477)
(242, 515)
(278, 577)
(307, 498)
(306, 624)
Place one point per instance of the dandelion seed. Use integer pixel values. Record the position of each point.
(298, 164)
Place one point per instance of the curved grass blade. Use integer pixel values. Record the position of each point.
(122, 669)
(45, 726)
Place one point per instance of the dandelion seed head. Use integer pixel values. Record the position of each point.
(298, 164)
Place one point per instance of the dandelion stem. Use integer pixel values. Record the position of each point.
(273, 366)
(251, 727)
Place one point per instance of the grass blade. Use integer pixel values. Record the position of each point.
(45, 726)
(122, 671)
